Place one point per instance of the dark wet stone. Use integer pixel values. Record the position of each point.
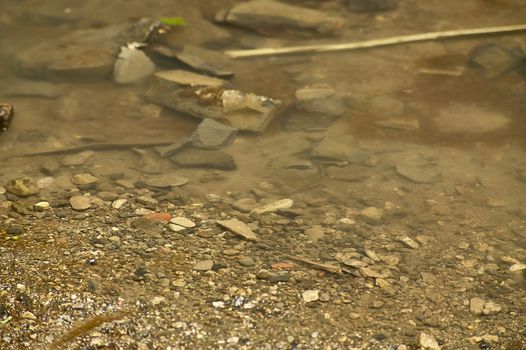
(315, 113)
(7, 112)
(14, 230)
(195, 158)
(371, 5)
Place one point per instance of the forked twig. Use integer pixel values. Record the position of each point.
(375, 42)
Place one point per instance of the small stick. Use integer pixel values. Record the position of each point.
(324, 267)
(94, 146)
(375, 42)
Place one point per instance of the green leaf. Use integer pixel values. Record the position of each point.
(173, 21)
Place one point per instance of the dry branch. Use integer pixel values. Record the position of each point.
(375, 42)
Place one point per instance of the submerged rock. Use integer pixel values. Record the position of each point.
(265, 15)
(196, 158)
(494, 60)
(239, 228)
(83, 54)
(371, 5)
(28, 88)
(469, 119)
(207, 97)
(22, 187)
(131, 66)
(211, 135)
(202, 60)
(317, 107)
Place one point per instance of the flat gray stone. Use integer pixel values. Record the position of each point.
(212, 135)
(196, 158)
(239, 228)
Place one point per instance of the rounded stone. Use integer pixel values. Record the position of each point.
(22, 187)
(80, 202)
(203, 265)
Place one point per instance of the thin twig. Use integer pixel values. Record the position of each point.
(93, 146)
(375, 42)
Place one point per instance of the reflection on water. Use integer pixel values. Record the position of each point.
(371, 199)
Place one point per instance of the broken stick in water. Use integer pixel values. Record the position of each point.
(375, 42)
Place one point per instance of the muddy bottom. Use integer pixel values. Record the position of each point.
(380, 205)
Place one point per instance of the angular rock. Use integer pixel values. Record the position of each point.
(206, 97)
(408, 242)
(202, 60)
(22, 187)
(310, 295)
(212, 135)
(265, 15)
(196, 158)
(170, 150)
(80, 203)
(239, 228)
(82, 54)
(132, 65)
